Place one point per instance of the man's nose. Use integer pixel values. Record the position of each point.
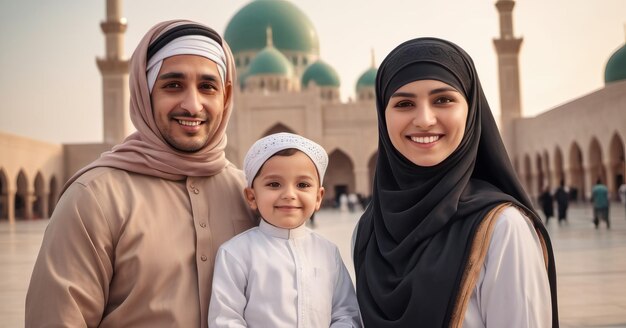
(191, 102)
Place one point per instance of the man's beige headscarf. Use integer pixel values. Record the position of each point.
(146, 151)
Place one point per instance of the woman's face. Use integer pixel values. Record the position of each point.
(426, 121)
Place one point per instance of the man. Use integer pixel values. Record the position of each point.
(133, 238)
(562, 201)
(600, 199)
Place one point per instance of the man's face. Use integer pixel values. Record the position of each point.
(188, 101)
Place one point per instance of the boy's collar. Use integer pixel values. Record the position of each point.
(282, 232)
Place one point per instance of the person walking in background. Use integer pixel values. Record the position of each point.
(547, 203)
(282, 274)
(561, 195)
(622, 195)
(600, 199)
(450, 238)
(132, 240)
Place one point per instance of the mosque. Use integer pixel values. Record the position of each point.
(284, 85)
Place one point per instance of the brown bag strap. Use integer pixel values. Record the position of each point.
(478, 252)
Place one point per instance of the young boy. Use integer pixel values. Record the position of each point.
(282, 274)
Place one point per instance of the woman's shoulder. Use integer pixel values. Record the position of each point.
(513, 217)
(513, 224)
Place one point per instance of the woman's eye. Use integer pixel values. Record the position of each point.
(404, 104)
(443, 100)
(273, 184)
(303, 185)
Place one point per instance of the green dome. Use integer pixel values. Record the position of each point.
(367, 79)
(270, 61)
(292, 28)
(616, 66)
(323, 75)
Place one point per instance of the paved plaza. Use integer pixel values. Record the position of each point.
(591, 264)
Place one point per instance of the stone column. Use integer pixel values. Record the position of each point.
(10, 198)
(29, 199)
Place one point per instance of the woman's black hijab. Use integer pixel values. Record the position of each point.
(413, 240)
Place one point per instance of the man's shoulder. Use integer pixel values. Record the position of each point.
(100, 174)
(231, 175)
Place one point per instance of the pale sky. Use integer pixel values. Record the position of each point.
(50, 87)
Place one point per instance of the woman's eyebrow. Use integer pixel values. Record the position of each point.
(443, 89)
(404, 95)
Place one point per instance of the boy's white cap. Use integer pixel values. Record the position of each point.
(265, 147)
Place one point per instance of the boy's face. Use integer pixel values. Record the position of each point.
(286, 191)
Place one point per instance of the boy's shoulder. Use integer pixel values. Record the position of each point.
(243, 238)
(323, 241)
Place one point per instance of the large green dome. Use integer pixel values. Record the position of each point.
(270, 61)
(616, 66)
(367, 79)
(323, 75)
(292, 29)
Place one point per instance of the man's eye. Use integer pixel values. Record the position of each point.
(172, 85)
(208, 86)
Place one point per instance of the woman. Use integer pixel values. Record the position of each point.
(450, 238)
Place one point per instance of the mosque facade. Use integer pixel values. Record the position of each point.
(285, 86)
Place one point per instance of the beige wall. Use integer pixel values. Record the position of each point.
(600, 115)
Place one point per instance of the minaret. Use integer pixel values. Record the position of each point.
(114, 70)
(269, 37)
(507, 48)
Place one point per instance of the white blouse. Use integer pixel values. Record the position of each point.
(512, 290)
(273, 277)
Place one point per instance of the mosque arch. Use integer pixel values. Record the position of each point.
(371, 169)
(39, 201)
(547, 170)
(21, 197)
(596, 168)
(540, 177)
(559, 170)
(617, 168)
(53, 195)
(528, 176)
(277, 128)
(4, 195)
(577, 172)
(339, 178)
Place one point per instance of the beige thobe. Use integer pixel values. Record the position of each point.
(129, 250)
